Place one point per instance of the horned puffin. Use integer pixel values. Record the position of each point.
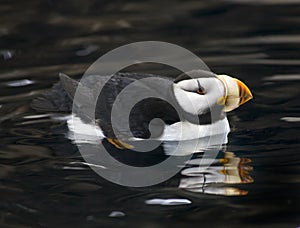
(191, 101)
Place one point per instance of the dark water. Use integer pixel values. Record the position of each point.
(44, 182)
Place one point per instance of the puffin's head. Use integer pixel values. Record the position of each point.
(208, 90)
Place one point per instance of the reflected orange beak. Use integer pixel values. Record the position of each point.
(236, 92)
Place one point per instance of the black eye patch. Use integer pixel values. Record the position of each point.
(200, 89)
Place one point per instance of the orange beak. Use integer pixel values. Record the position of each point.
(244, 92)
(236, 92)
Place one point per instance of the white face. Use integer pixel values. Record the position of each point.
(196, 96)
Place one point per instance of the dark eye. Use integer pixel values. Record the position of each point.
(200, 89)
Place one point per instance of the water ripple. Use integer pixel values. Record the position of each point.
(167, 202)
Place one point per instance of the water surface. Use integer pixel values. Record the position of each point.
(44, 181)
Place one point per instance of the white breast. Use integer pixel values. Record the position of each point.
(176, 132)
(187, 131)
(82, 132)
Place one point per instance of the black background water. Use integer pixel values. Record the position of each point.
(42, 183)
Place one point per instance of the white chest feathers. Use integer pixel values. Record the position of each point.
(176, 132)
(186, 130)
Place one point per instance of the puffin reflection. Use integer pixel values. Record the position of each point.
(208, 168)
(218, 177)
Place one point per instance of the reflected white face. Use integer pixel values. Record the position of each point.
(196, 96)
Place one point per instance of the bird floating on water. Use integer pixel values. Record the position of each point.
(196, 105)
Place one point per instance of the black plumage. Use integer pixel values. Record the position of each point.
(60, 99)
